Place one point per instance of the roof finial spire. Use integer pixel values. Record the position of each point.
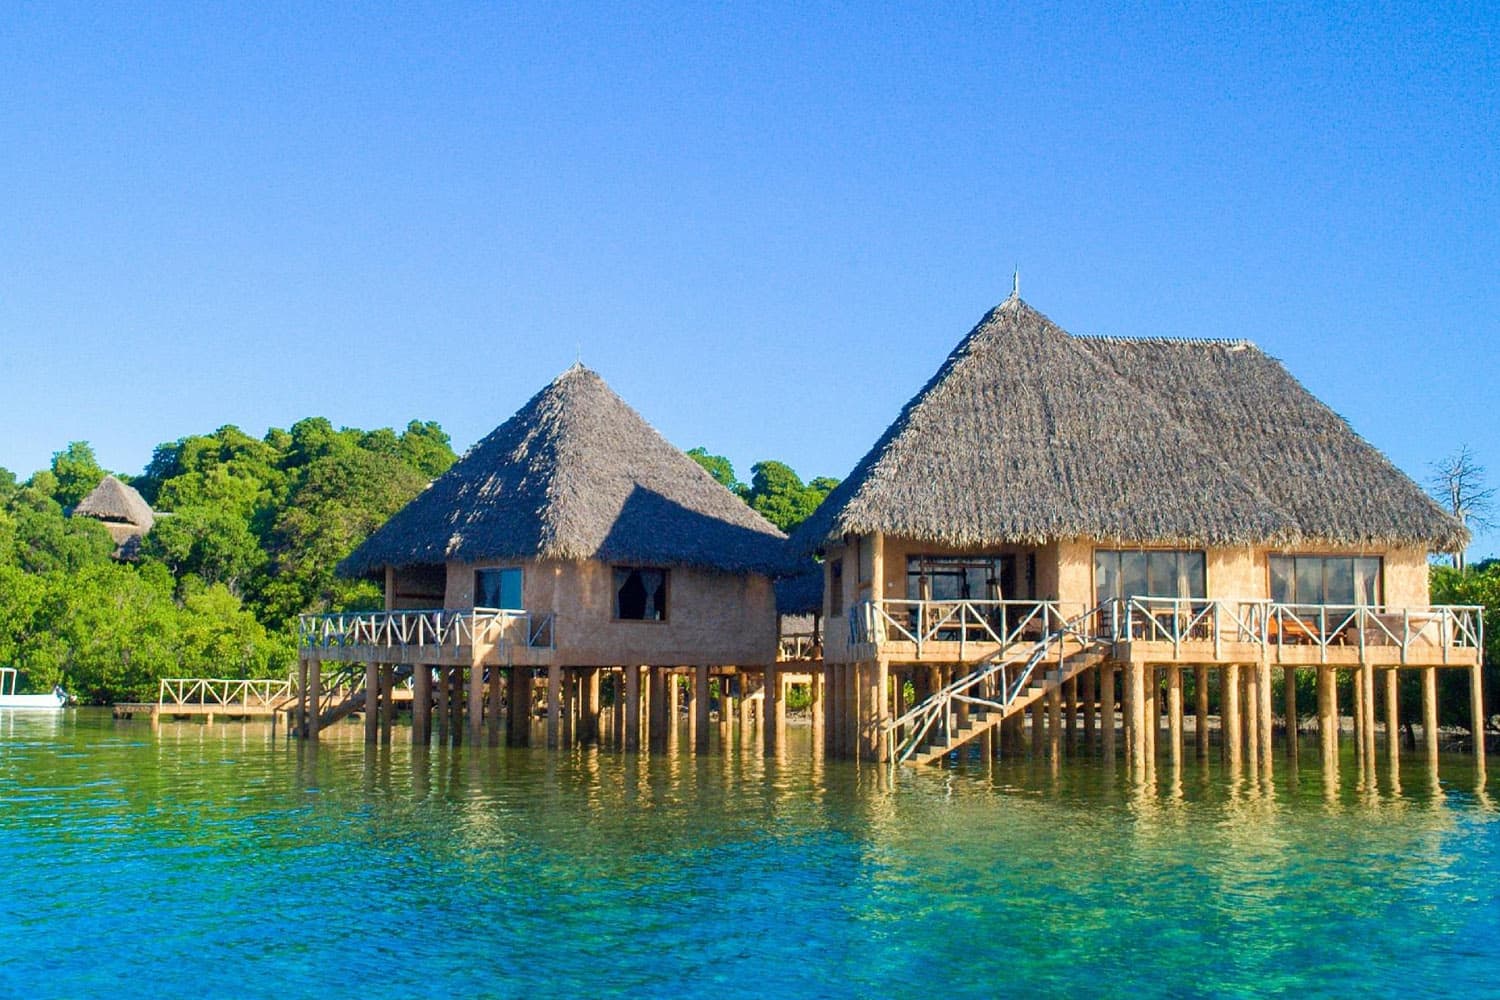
(1015, 283)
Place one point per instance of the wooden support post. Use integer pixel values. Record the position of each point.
(387, 701)
(1267, 721)
(492, 710)
(1107, 710)
(1054, 722)
(1393, 719)
(300, 724)
(745, 706)
(1153, 712)
(657, 681)
(1289, 700)
(1328, 716)
(880, 691)
(1200, 711)
(456, 704)
(372, 702)
(1089, 714)
(1229, 711)
(1250, 698)
(1070, 707)
(444, 718)
(1174, 714)
(315, 698)
(554, 705)
(770, 709)
(1430, 712)
(701, 707)
(1038, 728)
(1476, 712)
(1367, 681)
(570, 707)
(632, 708)
(1135, 692)
(476, 702)
(421, 705)
(1359, 720)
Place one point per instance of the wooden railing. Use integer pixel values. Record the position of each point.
(229, 692)
(1178, 621)
(799, 647)
(430, 629)
(1002, 623)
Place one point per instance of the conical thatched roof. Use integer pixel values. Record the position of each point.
(576, 474)
(117, 503)
(1027, 434)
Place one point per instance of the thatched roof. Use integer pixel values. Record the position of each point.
(575, 474)
(114, 502)
(802, 592)
(1027, 434)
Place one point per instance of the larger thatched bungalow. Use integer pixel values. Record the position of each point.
(573, 538)
(1145, 504)
(122, 510)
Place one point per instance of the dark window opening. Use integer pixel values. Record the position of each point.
(1149, 573)
(1337, 580)
(640, 594)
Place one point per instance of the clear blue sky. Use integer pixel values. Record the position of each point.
(765, 226)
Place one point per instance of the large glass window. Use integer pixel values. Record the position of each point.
(1339, 580)
(640, 594)
(966, 578)
(498, 588)
(1149, 573)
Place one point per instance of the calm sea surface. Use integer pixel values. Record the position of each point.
(216, 861)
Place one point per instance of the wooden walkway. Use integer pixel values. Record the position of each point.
(210, 698)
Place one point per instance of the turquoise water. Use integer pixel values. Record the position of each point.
(216, 861)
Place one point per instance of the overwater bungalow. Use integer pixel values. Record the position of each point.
(1056, 524)
(572, 544)
(123, 511)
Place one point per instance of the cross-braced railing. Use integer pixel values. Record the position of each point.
(430, 629)
(966, 622)
(1012, 674)
(229, 692)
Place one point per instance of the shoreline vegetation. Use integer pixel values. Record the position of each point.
(246, 537)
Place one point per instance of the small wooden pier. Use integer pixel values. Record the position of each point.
(212, 698)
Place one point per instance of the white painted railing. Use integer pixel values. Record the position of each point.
(1178, 621)
(430, 629)
(230, 692)
(965, 622)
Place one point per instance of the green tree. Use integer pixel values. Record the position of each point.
(1478, 585)
(781, 497)
(213, 543)
(77, 473)
(44, 539)
(426, 448)
(717, 466)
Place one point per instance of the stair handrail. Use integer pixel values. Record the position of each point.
(939, 705)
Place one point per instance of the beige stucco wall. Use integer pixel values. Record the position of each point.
(712, 618)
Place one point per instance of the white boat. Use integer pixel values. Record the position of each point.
(52, 702)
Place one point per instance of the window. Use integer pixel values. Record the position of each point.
(1340, 580)
(640, 594)
(865, 547)
(1149, 573)
(966, 578)
(836, 587)
(498, 588)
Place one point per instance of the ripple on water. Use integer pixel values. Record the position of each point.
(202, 860)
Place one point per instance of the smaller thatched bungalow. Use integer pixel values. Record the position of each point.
(603, 546)
(1192, 491)
(123, 511)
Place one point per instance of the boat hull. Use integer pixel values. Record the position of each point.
(53, 702)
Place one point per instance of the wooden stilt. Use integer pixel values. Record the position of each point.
(492, 709)
(1054, 723)
(1089, 714)
(456, 704)
(701, 708)
(387, 701)
(1250, 695)
(1393, 718)
(372, 702)
(1430, 712)
(1476, 712)
(1174, 714)
(1289, 699)
(658, 681)
(1229, 711)
(1038, 729)
(444, 717)
(1359, 721)
(880, 676)
(1107, 710)
(1070, 708)
(421, 705)
(1267, 721)
(632, 708)
(554, 705)
(569, 707)
(300, 724)
(1367, 682)
(1200, 711)
(771, 709)
(1153, 712)
(1328, 716)
(315, 698)
(476, 702)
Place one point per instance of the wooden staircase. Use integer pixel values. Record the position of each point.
(355, 701)
(996, 690)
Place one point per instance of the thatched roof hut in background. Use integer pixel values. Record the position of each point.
(576, 474)
(1027, 433)
(123, 510)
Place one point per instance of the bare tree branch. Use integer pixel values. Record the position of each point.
(1458, 483)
